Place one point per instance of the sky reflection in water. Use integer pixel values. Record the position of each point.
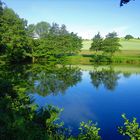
(101, 96)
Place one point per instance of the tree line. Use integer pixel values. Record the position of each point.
(22, 42)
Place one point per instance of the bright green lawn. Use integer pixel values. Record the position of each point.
(126, 44)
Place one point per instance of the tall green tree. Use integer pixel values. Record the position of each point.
(55, 29)
(111, 44)
(2, 47)
(97, 43)
(63, 30)
(13, 35)
(42, 29)
(31, 30)
(107, 47)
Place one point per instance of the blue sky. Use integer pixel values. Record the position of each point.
(85, 17)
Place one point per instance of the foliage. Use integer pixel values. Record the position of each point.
(105, 47)
(112, 35)
(97, 42)
(56, 47)
(55, 30)
(2, 48)
(19, 42)
(130, 128)
(63, 30)
(89, 131)
(31, 30)
(111, 45)
(128, 37)
(13, 36)
(20, 118)
(42, 29)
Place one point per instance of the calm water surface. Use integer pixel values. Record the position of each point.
(97, 94)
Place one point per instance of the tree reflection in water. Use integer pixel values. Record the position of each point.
(107, 77)
(45, 80)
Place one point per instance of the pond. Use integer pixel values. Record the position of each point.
(98, 93)
(101, 94)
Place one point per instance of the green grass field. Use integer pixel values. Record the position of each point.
(126, 44)
(129, 54)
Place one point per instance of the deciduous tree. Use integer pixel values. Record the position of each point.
(97, 43)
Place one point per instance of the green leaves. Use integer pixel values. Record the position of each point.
(97, 43)
(89, 131)
(128, 37)
(105, 48)
(130, 128)
(13, 36)
(57, 46)
(42, 29)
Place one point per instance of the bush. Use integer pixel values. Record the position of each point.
(89, 131)
(130, 128)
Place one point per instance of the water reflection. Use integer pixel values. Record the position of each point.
(106, 77)
(14, 75)
(46, 80)
(42, 79)
(81, 102)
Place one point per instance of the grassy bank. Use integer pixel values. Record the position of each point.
(129, 54)
(125, 57)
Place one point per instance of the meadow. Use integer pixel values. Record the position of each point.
(133, 44)
(129, 53)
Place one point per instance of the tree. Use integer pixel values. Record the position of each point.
(63, 30)
(13, 36)
(74, 43)
(111, 35)
(42, 29)
(55, 30)
(2, 48)
(31, 30)
(58, 45)
(128, 37)
(111, 44)
(1, 8)
(107, 46)
(97, 43)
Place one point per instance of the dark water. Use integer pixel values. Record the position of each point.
(99, 94)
